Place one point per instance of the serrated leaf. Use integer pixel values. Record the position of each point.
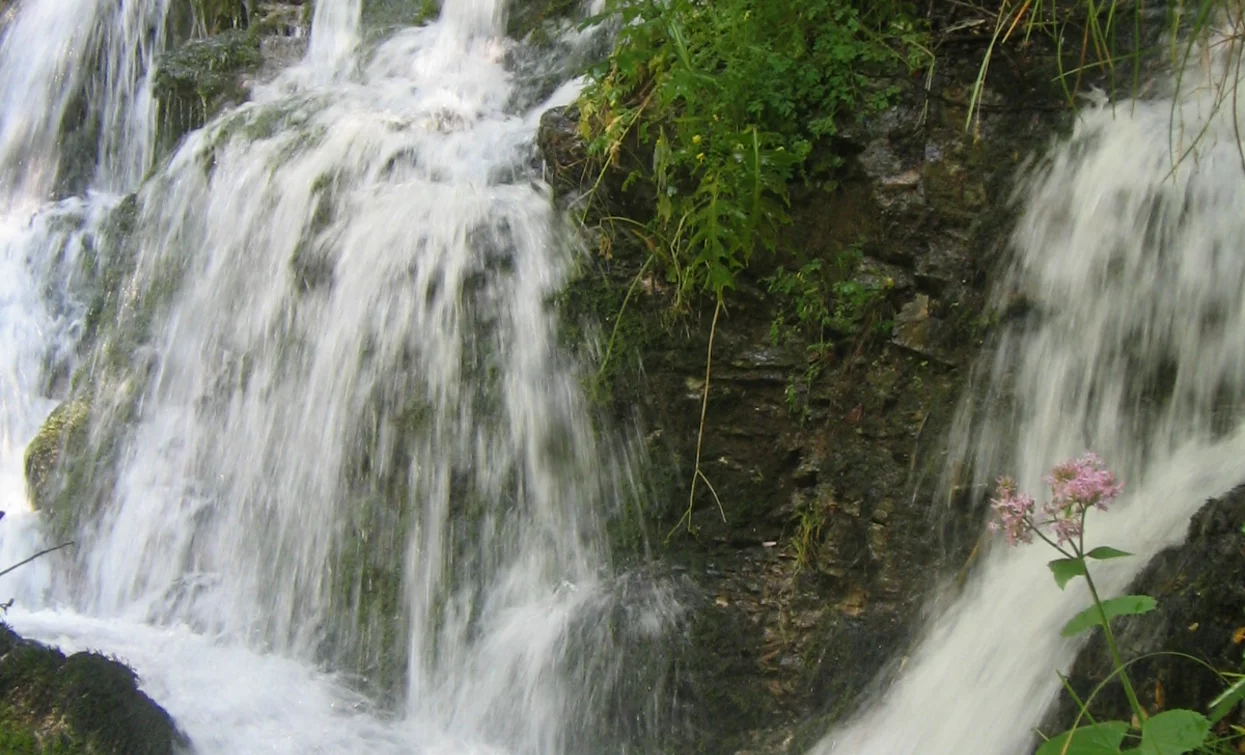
(1104, 552)
(1099, 739)
(1127, 605)
(1173, 732)
(1066, 569)
(1223, 705)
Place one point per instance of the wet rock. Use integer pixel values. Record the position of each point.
(919, 331)
(530, 17)
(563, 150)
(820, 521)
(382, 16)
(197, 80)
(63, 434)
(84, 703)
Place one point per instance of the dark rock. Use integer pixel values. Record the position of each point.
(563, 149)
(85, 703)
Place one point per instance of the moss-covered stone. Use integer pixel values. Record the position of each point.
(529, 17)
(63, 434)
(70, 464)
(379, 16)
(221, 15)
(84, 704)
(197, 80)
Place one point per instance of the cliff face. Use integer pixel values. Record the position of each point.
(818, 525)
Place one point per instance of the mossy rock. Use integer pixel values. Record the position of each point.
(221, 15)
(384, 15)
(81, 704)
(530, 17)
(197, 80)
(63, 433)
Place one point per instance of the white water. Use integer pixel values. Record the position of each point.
(1138, 278)
(351, 361)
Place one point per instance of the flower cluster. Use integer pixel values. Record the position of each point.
(1075, 485)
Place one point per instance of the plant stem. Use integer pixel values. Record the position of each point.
(1114, 650)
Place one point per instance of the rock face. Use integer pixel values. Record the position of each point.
(820, 528)
(84, 703)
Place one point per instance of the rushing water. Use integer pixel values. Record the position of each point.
(1131, 261)
(343, 451)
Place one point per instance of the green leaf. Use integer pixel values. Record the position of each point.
(1102, 553)
(1100, 739)
(1127, 605)
(1173, 732)
(1223, 705)
(1067, 569)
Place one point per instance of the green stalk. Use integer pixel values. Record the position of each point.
(1115, 652)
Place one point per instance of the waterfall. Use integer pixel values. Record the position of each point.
(1127, 252)
(343, 493)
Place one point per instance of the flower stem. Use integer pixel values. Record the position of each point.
(1115, 652)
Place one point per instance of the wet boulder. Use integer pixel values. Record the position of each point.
(62, 438)
(83, 703)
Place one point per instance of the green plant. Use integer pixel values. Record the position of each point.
(1106, 36)
(809, 521)
(715, 107)
(821, 308)
(1077, 486)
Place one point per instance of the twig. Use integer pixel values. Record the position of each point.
(37, 555)
(700, 437)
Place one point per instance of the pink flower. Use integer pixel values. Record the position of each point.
(1075, 486)
(1081, 483)
(1015, 512)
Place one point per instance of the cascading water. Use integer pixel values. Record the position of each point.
(1131, 261)
(339, 430)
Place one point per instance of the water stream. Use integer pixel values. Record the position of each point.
(1128, 254)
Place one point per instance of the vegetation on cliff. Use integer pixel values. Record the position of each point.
(711, 110)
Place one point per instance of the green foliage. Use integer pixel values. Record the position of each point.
(821, 306)
(715, 107)
(1066, 569)
(810, 520)
(1173, 732)
(1087, 740)
(1098, 615)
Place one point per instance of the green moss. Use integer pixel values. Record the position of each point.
(221, 15)
(197, 80)
(383, 15)
(86, 703)
(63, 434)
(70, 463)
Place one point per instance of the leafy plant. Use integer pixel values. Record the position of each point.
(715, 107)
(1077, 486)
